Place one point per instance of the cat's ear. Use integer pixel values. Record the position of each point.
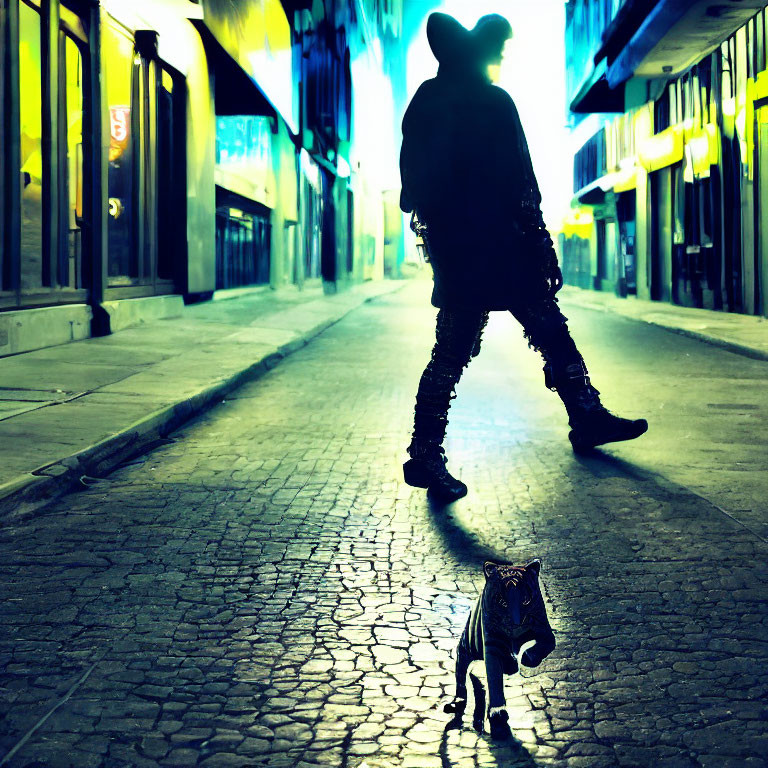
(489, 569)
(534, 565)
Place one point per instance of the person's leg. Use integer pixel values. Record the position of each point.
(457, 340)
(566, 373)
(547, 332)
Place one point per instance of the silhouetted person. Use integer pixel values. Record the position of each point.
(467, 176)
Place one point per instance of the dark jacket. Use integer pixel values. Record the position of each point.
(466, 170)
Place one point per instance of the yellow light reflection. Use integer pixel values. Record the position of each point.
(30, 88)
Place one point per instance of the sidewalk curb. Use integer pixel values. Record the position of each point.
(32, 491)
(730, 346)
(715, 341)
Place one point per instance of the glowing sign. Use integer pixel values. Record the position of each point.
(115, 207)
(702, 151)
(662, 149)
(119, 123)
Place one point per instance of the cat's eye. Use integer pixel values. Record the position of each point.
(527, 599)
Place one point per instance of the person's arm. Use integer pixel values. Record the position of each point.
(535, 231)
(406, 165)
(415, 126)
(537, 237)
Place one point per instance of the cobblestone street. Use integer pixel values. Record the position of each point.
(264, 590)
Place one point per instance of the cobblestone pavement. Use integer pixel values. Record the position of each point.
(265, 591)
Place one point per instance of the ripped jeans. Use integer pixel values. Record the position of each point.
(457, 341)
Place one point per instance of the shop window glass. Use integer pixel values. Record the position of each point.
(661, 111)
(31, 171)
(242, 247)
(119, 68)
(171, 197)
(166, 197)
(73, 183)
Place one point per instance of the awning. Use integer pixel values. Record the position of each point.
(678, 33)
(616, 181)
(235, 92)
(595, 94)
(592, 194)
(257, 35)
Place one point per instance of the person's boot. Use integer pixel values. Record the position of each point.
(592, 424)
(427, 469)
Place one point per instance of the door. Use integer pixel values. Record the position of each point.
(601, 256)
(661, 235)
(625, 211)
(761, 211)
(171, 171)
(731, 191)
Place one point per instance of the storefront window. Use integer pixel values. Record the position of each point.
(119, 66)
(73, 183)
(243, 237)
(31, 171)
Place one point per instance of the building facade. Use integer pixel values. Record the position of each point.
(667, 102)
(157, 151)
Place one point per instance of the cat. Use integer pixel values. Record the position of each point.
(507, 623)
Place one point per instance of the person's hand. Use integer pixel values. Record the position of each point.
(555, 279)
(553, 276)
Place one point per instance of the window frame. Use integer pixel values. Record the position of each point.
(50, 291)
(146, 81)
